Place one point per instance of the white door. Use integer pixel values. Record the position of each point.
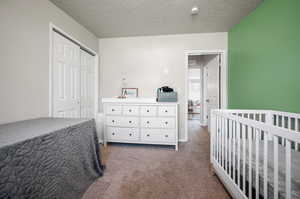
(87, 85)
(65, 77)
(212, 84)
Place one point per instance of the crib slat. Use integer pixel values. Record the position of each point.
(265, 165)
(244, 157)
(288, 169)
(222, 147)
(234, 150)
(226, 145)
(257, 163)
(220, 141)
(239, 154)
(275, 167)
(297, 129)
(250, 160)
(214, 138)
(217, 139)
(230, 146)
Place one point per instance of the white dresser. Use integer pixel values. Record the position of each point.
(140, 121)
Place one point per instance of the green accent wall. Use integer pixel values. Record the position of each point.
(264, 58)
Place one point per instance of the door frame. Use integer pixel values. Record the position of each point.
(53, 27)
(224, 81)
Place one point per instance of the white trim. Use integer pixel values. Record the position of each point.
(224, 81)
(96, 56)
(50, 69)
(182, 140)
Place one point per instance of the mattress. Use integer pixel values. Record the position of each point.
(295, 169)
(48, 158)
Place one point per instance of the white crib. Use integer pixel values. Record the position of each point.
(255, 153)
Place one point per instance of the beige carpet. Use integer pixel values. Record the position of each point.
(157, 172)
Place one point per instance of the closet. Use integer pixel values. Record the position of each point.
(73, 78)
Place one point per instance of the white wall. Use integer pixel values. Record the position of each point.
(150, 62)
(24, 55)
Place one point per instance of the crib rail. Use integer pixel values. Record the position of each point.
(288, 121)
(238, 140)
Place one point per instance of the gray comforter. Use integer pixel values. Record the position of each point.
(48, 158)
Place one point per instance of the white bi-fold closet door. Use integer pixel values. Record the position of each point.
(87, 79)
(73, 80)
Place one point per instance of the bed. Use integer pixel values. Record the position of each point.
(48, 158)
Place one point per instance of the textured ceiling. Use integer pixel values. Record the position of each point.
(120, 18)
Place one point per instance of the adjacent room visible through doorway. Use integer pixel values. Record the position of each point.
(205, 71)
(194, 97)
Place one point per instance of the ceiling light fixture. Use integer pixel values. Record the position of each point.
(195, 10)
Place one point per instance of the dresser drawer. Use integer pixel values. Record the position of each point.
(122, 134)
(148, 110)
(158, 122)
(168, 123)
(130, 121)
(157, 135)
(113, 121)
(113, 110)
(166, 111)
(131, 110)
(150, 122)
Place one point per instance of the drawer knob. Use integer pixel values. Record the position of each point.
(148, 135)
(130, 110)
(166, 136)
(113, 121)
(130, 134)
(112, 110)
(113, 133)
(148, 122)
(130, 122)
(147, 111)
(166, 111)
(166, 122)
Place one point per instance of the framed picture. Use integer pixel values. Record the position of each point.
(130, 92)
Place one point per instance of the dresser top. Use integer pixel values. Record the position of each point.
(135, 101)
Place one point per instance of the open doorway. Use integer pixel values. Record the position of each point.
(206, 85)
(194, 92)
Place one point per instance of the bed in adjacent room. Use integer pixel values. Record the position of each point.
(48, 158)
